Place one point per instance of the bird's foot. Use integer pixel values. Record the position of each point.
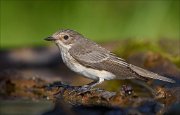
(78, 89)
(82, 89)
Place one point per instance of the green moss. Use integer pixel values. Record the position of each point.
(130, 46)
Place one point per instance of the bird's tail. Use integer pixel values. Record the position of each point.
(148, 74)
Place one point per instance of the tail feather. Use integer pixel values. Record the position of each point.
(148, 74)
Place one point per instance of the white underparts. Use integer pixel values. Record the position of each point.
(76, 67)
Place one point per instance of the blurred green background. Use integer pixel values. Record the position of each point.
(27, 22)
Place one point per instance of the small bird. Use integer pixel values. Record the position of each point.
(91, 60)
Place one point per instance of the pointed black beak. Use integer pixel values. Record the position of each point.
(50, 39)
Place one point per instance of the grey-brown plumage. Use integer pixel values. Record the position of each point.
(94, 56)
(91, 60)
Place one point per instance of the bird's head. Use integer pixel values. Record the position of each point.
(65, 38)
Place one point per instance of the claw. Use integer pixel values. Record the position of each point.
(81, 89)
(78, 89)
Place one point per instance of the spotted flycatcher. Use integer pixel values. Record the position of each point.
(95, 62)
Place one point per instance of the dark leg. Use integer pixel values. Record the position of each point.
(94, 83)
(88, 87)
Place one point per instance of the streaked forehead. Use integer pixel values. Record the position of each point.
(67, 31)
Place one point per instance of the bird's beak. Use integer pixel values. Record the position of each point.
(50, 38)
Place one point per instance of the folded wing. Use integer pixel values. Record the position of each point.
(99, 58)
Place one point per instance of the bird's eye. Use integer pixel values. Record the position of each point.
(66, 37)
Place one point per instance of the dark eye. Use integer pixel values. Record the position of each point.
(66, 37)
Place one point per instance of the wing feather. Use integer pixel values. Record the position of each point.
(148, 74)
(99, 58)
(96, 57)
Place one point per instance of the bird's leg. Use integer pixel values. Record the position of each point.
(88, 87)
(94, 83)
